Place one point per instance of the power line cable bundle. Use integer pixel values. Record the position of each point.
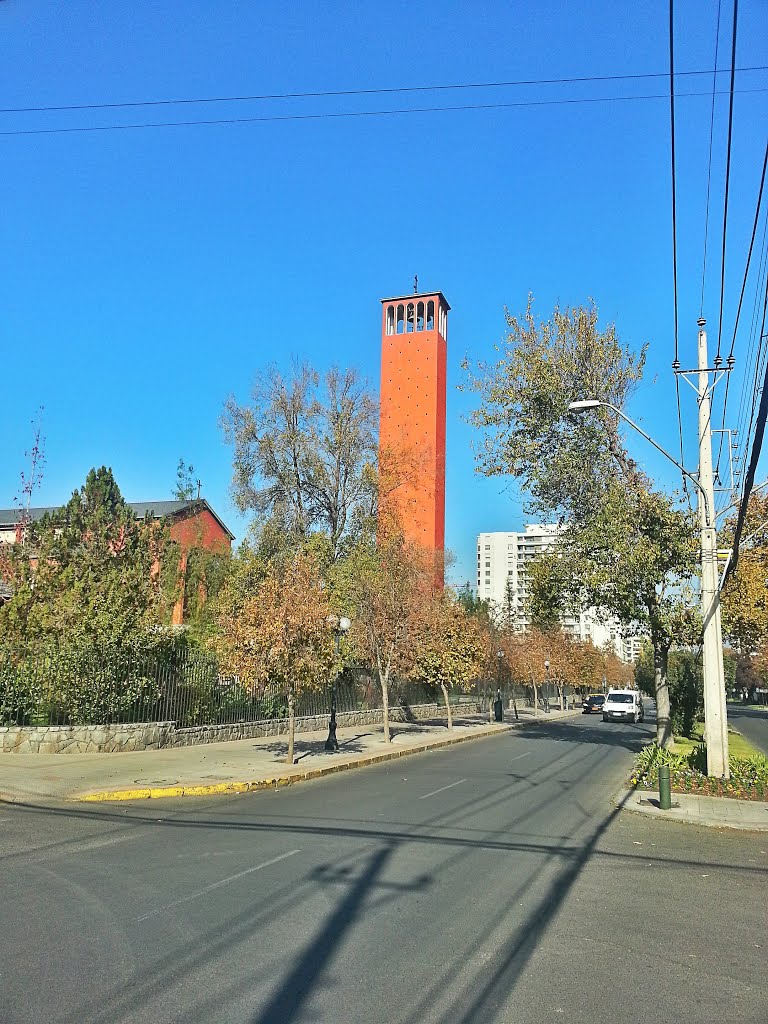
(757, 445)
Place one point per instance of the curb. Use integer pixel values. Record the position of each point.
(623, 796)
(278, 781)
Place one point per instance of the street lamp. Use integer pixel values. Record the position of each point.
(339, 626)
(500, 662)
(715, 716)
(585, 404)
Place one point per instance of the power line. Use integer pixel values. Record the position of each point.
(709, 160)
(751, 245)
(352, 113)
(752, 371)
(741, 295)
(761, 365)
(727, 176)
(757, 446)
(743, 413)
(330, 93)
(676, 363)
(672, 142)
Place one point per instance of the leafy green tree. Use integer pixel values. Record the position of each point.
(628, 548)
(628, 559)
(187, 485)
(205, 575)
(563, 461)
(473, 604)
(685, 686)
(91, 571)
(686, 691)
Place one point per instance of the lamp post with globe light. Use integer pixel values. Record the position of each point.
(497, 702)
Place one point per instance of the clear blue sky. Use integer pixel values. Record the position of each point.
(146, 274)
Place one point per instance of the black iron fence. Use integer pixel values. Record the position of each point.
(123, 685)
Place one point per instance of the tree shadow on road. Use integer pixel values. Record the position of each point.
(309, 748)
(630, 737)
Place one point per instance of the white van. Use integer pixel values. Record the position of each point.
(623, 705)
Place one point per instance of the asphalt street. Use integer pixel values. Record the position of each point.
(751, 723)
(489, 882)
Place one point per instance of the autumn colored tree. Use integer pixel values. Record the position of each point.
(384, 586)
(273, 627)
(525, 655)
(448, 646)
(589, 666)
(744, 599)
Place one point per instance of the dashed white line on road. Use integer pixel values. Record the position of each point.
(216, 885)
(520, 755)
(442, 789)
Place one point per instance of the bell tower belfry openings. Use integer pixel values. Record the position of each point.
(414, 333)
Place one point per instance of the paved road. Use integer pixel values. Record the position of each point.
(753, 724)
(487, 883)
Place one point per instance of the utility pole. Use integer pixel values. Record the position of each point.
(715, 717)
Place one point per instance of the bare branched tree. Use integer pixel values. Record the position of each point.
(31, 480)
(305, 451)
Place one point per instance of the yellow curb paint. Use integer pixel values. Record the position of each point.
(167, 792)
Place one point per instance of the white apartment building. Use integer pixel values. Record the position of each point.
(631, 649)
(502, 579)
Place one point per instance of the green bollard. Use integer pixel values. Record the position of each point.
(665, 793)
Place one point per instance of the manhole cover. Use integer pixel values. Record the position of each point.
(156, 782)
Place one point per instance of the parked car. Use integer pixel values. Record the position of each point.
(623, 705)
(594, 702)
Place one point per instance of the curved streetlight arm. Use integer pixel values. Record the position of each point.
(586, 404)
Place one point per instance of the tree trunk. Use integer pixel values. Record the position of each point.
(384, 680)
(444, 688)
(663, 709)
(561, 691)
(291, 724)
(535, 695)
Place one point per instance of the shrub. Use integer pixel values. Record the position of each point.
(688, 773)
(21, 694)
(144, 677)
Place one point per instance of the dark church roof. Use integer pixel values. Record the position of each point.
(9, 517)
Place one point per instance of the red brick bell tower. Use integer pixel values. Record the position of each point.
(414, 333)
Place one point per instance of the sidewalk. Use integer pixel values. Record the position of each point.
(234, 767)
(713, 811)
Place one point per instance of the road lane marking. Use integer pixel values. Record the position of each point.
(520, 755)
(216, 885)
(442, 789)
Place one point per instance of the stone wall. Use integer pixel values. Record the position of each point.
(311, 723)
(86, 739)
